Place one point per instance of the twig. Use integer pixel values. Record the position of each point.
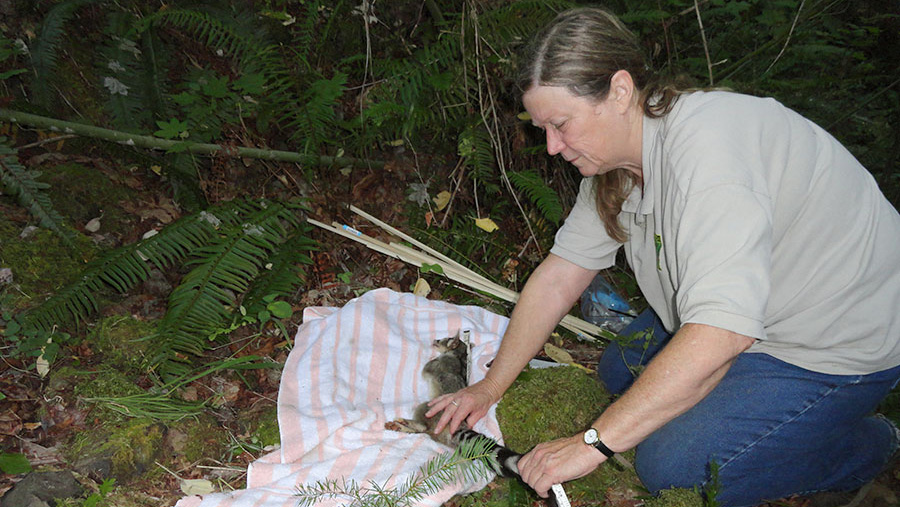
(451, 269)
(46, 141)
(862, 104)
(788, 39)
(705, 45)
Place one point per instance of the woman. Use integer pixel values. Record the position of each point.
(762, 244)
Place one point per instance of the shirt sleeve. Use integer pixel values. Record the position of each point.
(723, 259)
(582, 239)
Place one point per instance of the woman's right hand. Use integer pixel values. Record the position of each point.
(469, 404)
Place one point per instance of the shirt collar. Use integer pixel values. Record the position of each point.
(640, 200)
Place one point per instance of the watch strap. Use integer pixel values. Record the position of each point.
(600, 446)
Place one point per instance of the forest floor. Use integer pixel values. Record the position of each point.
(49, 418)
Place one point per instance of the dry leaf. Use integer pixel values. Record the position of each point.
(562, 356)
(93, 225)
(486, 224)
(422, 288)
(197, 487)
(42, 366)
(442, 200)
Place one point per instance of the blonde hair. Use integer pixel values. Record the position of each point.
(580, 51)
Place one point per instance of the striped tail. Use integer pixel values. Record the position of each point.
(505, 463)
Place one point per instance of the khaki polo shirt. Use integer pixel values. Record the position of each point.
(755, 220)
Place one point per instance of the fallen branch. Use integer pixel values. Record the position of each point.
(449, 268)
(156, 143)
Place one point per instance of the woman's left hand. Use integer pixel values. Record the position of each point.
(558, 461)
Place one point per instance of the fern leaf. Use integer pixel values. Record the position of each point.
(44, 50)
(121, 269)
(29, 192)
(543, 197)
(248, 233)
(282, 273)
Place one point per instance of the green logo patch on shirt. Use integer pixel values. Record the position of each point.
(657, 240)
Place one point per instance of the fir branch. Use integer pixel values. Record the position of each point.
(467, 463)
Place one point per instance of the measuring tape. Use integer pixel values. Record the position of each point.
(562, 500)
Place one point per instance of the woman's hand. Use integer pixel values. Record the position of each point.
(469, 405)
(558, 461)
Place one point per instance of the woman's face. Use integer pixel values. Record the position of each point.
(595, 137)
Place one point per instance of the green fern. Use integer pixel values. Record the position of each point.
(475, 148)
(316, 124)
(45, 49)
(546, 200)
(24, 185)
(282, 272)
(247, 235)
(122, 269)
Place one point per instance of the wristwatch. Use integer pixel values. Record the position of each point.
(591, 437)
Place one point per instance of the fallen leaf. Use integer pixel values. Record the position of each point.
(197, 487)
(442, 200)
(422, 288)
(486, 224)
(93, 225)
(562, 356)
(42, 366)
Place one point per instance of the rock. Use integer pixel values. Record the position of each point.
(6, 276)
(28, 231)
(39, 489)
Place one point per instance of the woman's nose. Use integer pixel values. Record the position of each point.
(555, 143)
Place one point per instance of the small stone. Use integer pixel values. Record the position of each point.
(6, 276)
(28, 231)
(39, 488)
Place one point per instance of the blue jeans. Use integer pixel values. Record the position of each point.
(772, 428)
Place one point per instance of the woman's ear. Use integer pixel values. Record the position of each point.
(621, 89)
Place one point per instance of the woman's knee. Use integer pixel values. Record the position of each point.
(664, 464)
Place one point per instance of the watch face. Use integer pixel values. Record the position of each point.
(590, 436)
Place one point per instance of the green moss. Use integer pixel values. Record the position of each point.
(266, 430)
(548, 403)
(131, 447)
(135, 447)
(201, 437)
(81, 193)
(676, 497)
(75, 384)
(121, 340)
(42, 263)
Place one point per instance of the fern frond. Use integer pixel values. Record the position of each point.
(282, 272)
(205, 29)
(121, 269)
(44, 50)
(318, 118)
(476, 149)
(539, 193)
(29, 192)
(248, 233)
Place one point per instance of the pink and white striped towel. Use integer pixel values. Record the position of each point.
(351, 370)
